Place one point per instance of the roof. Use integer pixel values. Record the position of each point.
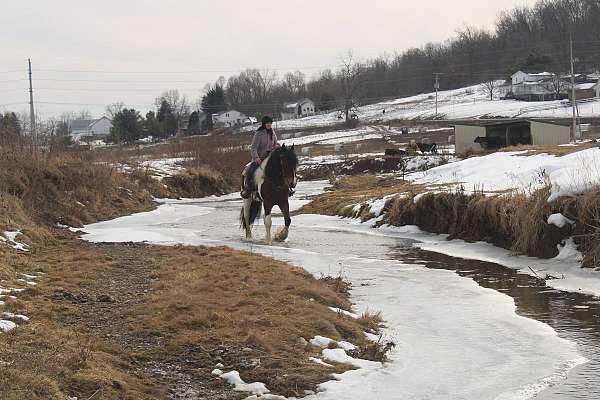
(585, 86)
(81, 124)
(509, 121)
(295, 104)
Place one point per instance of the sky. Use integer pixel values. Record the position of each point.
(88, 54)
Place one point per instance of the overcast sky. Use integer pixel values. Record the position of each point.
(93, 53)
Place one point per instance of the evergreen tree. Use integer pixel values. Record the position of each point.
(194, 127)
(127, 126)
(151, 125)
(167, 120)
(213, 102)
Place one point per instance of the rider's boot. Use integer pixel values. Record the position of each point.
(246, 188)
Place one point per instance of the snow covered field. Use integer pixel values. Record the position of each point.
(455, 339)
(469, 102)
(570, 174)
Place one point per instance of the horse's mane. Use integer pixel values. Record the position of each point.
(273, 169)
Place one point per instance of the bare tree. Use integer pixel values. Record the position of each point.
(295, 83)
(491, 87)
(179, 105)
(559, 85)
(113, 109)
(349, 76)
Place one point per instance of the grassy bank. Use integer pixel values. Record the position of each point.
(146, 322)
(514, 221)
(180, 312)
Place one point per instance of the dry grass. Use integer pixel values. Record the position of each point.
(187, 307)
(558, 151)
(349, 191)
(511, 220)
(252, 306)
(199, 182)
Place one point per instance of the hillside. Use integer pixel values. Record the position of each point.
(468, 102)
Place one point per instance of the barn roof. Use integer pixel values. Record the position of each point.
(509, 121)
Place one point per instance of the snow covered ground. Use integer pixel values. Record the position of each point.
(570, 174)
(455, 339)
(468, 102)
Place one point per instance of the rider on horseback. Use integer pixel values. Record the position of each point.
(265, 141)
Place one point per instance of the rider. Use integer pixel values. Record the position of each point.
(265, 141)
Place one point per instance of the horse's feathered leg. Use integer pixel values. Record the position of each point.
(246, 217)
(283, 232)
(268, 223)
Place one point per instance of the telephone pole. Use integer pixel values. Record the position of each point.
(573, 99)
(436, 86)
(31, 109)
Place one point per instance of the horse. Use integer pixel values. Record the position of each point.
(427, 148)
(490, 142)
(274, 179)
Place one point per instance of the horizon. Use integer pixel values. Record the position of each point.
(86, 64)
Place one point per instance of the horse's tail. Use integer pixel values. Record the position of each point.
(255, 210)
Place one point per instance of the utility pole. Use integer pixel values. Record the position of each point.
(437, 88)
(31, 109)
(573, 99)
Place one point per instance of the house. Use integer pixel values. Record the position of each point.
(585, 91)
(473, 135)
(542, 86)
(228, 119)
(81, 128)
(298, 109)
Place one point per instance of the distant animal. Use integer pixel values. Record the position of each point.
(490, 142)
(427, 148)
(395, 153)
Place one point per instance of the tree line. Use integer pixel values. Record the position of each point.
(533, 39)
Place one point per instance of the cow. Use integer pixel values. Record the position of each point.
(395, 153)
(490, 142)
(427, 148)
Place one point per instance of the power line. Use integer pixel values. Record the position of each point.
(183, 72)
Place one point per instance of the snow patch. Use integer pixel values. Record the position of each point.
(7, 326)
(234, 379)
(559, 220)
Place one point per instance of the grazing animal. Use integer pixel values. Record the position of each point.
(395, 153)
(490, 142)
(427, 148)
(274, 179)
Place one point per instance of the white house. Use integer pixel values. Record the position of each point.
(229, 118)
(80, 128)
(298, 109)
(537, 87)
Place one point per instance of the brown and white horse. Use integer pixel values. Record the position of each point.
(274, 179)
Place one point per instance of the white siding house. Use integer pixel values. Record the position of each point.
(229, 118)
(536, 87)
(298, 109)
(90, 127)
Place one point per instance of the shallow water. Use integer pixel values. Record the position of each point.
(455, 327)
(574, 316)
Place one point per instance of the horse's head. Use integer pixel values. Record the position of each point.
(282, 166)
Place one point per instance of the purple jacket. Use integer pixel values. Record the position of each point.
(262, 144)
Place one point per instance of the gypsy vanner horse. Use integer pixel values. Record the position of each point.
(273, 179)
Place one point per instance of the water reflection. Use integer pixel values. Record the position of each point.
(574, 316)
